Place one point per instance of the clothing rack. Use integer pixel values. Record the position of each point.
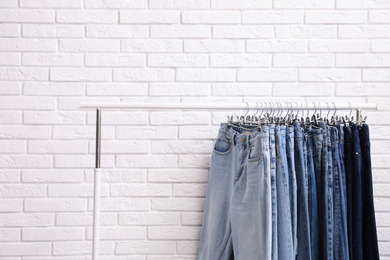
(327, 106)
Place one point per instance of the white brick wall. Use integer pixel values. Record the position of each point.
(55, 54)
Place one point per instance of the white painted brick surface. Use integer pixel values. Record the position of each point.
(55, 54)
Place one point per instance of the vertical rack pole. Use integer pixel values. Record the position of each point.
(358, 115)
(96, 193)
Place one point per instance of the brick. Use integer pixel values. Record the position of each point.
(349, 60)
(173, 232)
(376, 75)
(364, 31)
(80, 248)
(182, 147)
(335, 17)
(179, 4)
(149, 16)
(119, 175)
(179, 31)
(80, 132)
(143, 74)
(192, 218)
(381, 204)
(87, 16)
(303, 89)
(245, 4)
(52, 234)
(116, 4)
(304, 4)
(115, 60)
(116, 31)
(146, 247)
(175, 204)
(182, 89)
(25, 161)
(9, 59)
(53, 89)
(72, 190)
(236, 89)
(194, 132)
(177, 175)
(267, 75)
(25, 249)
(197, 161)
(27, 103)
(26, 15)
(339, 46)
(10, 205)
(117, 89)
(177, 60)
(10, 30)
(240, 60)
(151, 45)
(53, 117)
(168, 118)
(317, 75)
(26, 219)
(22, 190)
(82, 219)
(187, 247)
(205, 75)
(122, 147)
(379, 16)
(303, 60)
(52, 59)
(20, 73)
(9, 175)
(77, 161)
(189, 190)
(146, 161)
(57, 147)
(361, 4)
(242, 31)
(220, 46)
(10, 88)
(9, 3)
(306, 32)
(54, 205)
(211, 17)
(382, 220)
(272, 17)
(381, 189)
(52, 175)
(120, 118)
(124, 204)
(52, 31)
(149, 218)
(142, 190)
(28, 45)
(79, 74)
(7, 234)
(380, 46)
(27, 132)
(276, 46)
(120, 233)
(89, 45)
(51, 4)
(10, 117)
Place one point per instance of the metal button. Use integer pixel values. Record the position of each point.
(243, 139)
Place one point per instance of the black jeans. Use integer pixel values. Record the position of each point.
(370, 240)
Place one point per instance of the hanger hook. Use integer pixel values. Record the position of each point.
(327, 115)
(350, 107)
(247, 104)
(335, 109)
(257, 106)
(308, 110)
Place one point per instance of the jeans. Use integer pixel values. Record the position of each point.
(370, 240)
(304, 247)
(285, 242)
(312, 195)
(357, 209)
(293, 183)
(348, 162)
(340, 241)
(237, 220)
(274, 253)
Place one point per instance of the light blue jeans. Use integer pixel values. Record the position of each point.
(237, 220)
(273, 192)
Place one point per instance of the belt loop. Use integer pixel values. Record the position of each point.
(234, 139)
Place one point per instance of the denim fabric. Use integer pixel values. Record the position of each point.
(340, 130)
(304, 247)
(340, 242)
(312, 195)
(348, 163)
(273, 192)
(237, 220)
(357, 210)
(293, 183)
(370, 240)
(285, 242)
(330, 198)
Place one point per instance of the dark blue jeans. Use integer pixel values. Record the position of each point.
(370, 240)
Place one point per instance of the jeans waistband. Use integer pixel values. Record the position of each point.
(251, 134)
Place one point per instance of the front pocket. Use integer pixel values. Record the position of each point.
(255, 152)
(223, 144)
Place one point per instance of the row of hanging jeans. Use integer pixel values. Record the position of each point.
(287, 192)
